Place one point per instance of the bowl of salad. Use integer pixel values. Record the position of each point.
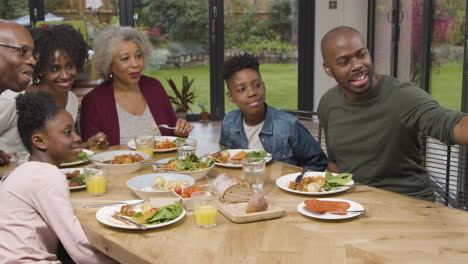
(193, 166)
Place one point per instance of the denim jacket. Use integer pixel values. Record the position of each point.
(282, 135)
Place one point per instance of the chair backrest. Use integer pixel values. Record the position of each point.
(78, 25)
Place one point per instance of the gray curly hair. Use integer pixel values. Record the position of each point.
(104, 47)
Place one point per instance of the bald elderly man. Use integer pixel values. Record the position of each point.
(17, 59)
(372, 121)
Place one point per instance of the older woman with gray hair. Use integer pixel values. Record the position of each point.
(127, 103)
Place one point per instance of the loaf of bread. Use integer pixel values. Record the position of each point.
(257, 203)
(231, 189)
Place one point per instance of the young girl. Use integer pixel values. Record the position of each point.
(35, 205)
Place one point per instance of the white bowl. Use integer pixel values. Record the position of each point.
(147, 180)
(197, 175)
(119, 168)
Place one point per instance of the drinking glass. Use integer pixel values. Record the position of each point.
(254, 171)
(204, 212)
(96, 180)
(145, 144)
(187, 147)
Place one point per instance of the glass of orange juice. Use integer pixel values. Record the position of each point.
(204, 212)
(96, 181)
(145, 144)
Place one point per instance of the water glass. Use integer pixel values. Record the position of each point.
(145, 144)
(186, 148)
(204, 212)
(96, 180)
(21, 157)
(254, 171)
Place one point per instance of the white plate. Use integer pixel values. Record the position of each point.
(69, 170)
(131, 143)
(330, 216)
(283, 183)
(68, 164)
(104, 215)
(147, 180)
(233, 152)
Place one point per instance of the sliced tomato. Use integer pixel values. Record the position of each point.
(178, 190)
(184, 195)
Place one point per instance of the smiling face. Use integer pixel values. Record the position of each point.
(347, 59)
(16, 70)
(60, 139)
(59, 74)
(127, 63)
(247, 91)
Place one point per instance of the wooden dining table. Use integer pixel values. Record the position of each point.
(394, 229)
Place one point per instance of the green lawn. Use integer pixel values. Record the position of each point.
(281, 83)
(280, 80)
(446, 85)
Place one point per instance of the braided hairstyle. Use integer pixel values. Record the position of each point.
(238, 63)
(64, 38)
(34, 110)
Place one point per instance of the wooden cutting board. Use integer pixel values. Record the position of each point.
(236, 212)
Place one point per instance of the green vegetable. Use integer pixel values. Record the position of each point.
(256, 154)
(79, 179)
(338, 180)
(82, 156)
(191, 163)
(182, 140)
(162, 215)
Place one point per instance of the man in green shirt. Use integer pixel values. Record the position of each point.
(373, 122)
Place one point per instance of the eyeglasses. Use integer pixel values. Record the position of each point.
(25, 51)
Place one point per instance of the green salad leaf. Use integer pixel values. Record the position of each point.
(181, 140)
(82, 156)
(191, 163)
(338, 180)
(163, 214)
(79, 179)
(256, 154)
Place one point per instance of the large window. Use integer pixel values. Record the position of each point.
(269, 30)
(179, 33)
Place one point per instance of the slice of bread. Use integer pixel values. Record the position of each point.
(231, 189)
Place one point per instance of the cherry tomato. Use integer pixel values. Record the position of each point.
(178, 190)
(184, 195)
(188, 191)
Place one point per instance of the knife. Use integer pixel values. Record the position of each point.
(121, 218)
(299, 177)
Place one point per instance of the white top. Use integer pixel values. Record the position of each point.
(36, 214)
(252, 132)
(131, 125)
(71, 107)
(10, 140)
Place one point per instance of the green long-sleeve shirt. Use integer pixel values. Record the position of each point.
(378, 138)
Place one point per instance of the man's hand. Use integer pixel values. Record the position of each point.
(4, 158)
(98, 141)
(182, 128)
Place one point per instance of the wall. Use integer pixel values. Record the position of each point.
(349, 13)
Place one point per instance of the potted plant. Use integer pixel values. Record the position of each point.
(204, 115)
(183, 98)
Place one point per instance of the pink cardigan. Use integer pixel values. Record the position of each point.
(99, 110)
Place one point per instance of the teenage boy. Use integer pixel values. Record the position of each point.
(256, 125)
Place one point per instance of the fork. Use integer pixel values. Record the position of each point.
(166, 126)
(299, 177)
(116, 203)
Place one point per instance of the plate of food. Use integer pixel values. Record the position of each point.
(330, 208)
(143, 213)
(161, 143)
(150, 185)
(192, 165)
(83, 157)
(232, 158)
(120, 161)
(316, 183)
(75, 178)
